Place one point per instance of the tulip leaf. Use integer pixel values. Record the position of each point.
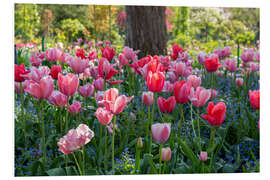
(188, 152)
(56, 172)
(70, 170)
(148, 158)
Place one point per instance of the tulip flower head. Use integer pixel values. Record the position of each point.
(161, 132)
(55, 70)
(68, 84)
(87, 90)
(42, 89)
(181, 91)
(211, 63)
(215, 113)
(166, 154)
(166, 106)
(148, 98)
(19, 71)
(58, 99)
(104, 116)
(75, 107)
(203, 156)
(254, 97)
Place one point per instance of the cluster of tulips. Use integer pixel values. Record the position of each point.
(69, 78)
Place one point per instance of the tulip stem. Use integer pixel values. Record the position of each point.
(114, 121)
(77, 163)
(199, 132)
(83, 155)
(43, 134)
(210, 148)
(164, 167)
(22, 111)
(192, 121)
(105, 151)
(67, 114)
(100, 141)
(147, 130)
(137, 161)
(180, 120)
(160, 157)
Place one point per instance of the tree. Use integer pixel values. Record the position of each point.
(146, 29)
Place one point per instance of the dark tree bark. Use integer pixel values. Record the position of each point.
(146, 29)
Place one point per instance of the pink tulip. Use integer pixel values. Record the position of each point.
(203, 156)
(42, 89)
(201, 57)
(257, 56)
(164, 60)
(181, 91)
(214, 93)
(161, 132)
(179, 68)
(113, 102)
(130, 54)
(99, 97)
(53, 54)
(78, 65)
(87, 90)
(194, 80)
(166, 106)
(231, 65)
(18, 88)
(200, 96)
(148, 98)
(239, 82)
(75, 107)
(122, 59)
(36, 59)
(104, 67)
(104, 116)
(247, 55)
(172, 76)
(68, 84)
(254, 66)
(166, 154)
(58, 99)
(74, 139)
(98, 84)
(168, 87)
(110, 128)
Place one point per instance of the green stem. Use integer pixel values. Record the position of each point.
(105, 151)
(192, 120)
(22, 111)
(160, 157)
(43, 134)
(80, 171)
(210, 148)
(148, 124)
(114, 121)
(199, 132)
(83, 163)
(67, 114)
(137, 161)
(153, 114)
(180, 120)
(164, 167)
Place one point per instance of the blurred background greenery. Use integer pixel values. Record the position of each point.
(206, 28)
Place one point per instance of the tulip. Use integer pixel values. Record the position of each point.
(247, 55)
(201, 57)
(211, 63)
(104, 116)
(58, 99)
(108, 53)
(68, 84)
(239, 82)
(123, 60)
(161, 132)
(42, 89)
(18, 88)
(130, 54)
(172, 76)
(181, 91)
(194, 80)
(200, 96)
(87, 90)
(214, 93)
(257, 56)
(254, 97)
(110, 128)
(19, 71)
(166, 154)
(179, 68)
(78, 65)
(53, 54)
(215, 113)
(75, 107)
(164, 60)
(99, 97)
(155, 81)
(168, 87)
(148, 98)
(231, 65)
(36, 58)
(98, 84)
(74, 139)
(203, 156)
(139, 143)
(80, 53)
(176, 50)
(166, 106)
(55, 70)
(104, 67)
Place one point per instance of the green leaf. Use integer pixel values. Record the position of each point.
(56, 172)
(148, 158)
(71, 170)
(189, 152)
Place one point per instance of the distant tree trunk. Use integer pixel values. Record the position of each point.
(146, 29)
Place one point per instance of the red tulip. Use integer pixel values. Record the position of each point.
(104, 116)
(215, 113)
(254, 97)
(108, 53)
(42, 89)
(55, 70)
(68, 84)
(80, 53)
(166, 106)
(58, 99)
(155, 81)
(148, 98)
(75, 107)
(20, 70)
(161, 132)
(211, 63)
(176, 50)
(181, 91)
(87, 90)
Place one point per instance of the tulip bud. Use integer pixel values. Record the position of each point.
(203, 156)
(139, 143)
(148, 98)
(166, 154)
(239, 81)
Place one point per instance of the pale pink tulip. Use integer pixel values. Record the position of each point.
(161, 132)
(203, 156)
(194, 80)
(200, 96)
(104, 116)
(231, 65)
(75, 107)
(53, 54)
(148, 98)
(78, 65)
(239, 82)
(166, 154)
(68, 84)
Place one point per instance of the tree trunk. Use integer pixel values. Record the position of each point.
(146, 29)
